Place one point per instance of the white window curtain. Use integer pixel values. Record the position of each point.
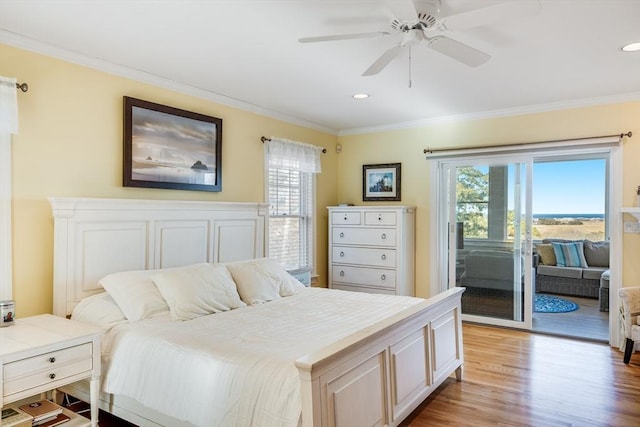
(290, 168)
(8, 126)
(293, 155)
(8, 105)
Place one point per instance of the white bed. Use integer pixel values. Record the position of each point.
(331, 358)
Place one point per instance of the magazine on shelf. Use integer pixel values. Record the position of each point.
(42, 410)
(55, 421)
(14, 417)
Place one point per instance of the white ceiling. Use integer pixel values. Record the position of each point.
(246, 54)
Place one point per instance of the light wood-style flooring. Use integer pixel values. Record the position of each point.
(587, 322)
(517, 378)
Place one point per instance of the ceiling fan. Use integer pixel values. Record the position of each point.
(420, 23)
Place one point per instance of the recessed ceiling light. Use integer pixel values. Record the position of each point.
(361, 95)
(631, 47)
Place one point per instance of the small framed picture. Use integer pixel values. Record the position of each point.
(381, 182)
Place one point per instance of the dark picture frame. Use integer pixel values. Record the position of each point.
(167, 147)
(381, 182)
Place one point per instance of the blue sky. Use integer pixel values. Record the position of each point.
(576, 187)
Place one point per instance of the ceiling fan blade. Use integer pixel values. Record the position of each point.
(497, 13)
(403, 10)
(342, 37)
(459, 51)
(384, 60)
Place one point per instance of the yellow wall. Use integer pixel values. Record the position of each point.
(70, 145)
(406, 146)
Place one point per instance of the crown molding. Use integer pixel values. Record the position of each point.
(22, 42)
(529, 109)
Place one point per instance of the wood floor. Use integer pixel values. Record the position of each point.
(515, 378)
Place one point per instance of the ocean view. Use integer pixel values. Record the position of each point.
(569, 216)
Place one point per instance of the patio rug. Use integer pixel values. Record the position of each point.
(553, 304)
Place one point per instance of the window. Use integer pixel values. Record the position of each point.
(290, 177)
(290, 217)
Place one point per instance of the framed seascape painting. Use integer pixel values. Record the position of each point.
(381, 182)
(166, 147)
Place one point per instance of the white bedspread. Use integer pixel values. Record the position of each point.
(235, 368)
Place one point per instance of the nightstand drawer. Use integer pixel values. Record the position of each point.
(45, 376)
(46, 361)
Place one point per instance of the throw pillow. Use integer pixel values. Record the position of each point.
(547, 255)
(596, 253)
(569, 254)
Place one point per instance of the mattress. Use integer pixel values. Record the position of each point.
(235, 368)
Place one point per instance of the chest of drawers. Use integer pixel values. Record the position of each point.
(371, 249)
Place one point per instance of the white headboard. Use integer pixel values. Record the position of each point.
(95, 237)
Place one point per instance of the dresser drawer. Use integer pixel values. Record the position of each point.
(364, 236)
(364, 276)
(46, 360)
(379, 218)
(54, 373)
(345, 217)
(356, 288)
(364, 256)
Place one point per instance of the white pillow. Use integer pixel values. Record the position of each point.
(99, 309)
(198, 291)
(262, 280)
(136, 294)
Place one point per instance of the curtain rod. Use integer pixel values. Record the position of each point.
(265, 139)
(22, 86)
(434, 150)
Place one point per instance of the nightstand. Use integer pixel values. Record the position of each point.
(41, 353)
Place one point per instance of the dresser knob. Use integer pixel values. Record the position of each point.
(383, 277)
(384, 236)
(383, 256)
(52, 359)
(341, 234)
(345, 217)
(52, 376)
(341, 273)
(341, 253)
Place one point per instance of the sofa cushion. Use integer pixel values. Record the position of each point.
(593, 272)
(569, 254)
(552, 270)
(485, 264)
(596, 253)
(547, 256)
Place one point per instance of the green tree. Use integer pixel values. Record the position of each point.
(472, 191)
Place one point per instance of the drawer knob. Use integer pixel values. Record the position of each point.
(341, 253)
(383, 277)
(52, 359)
(345, 217)
(341, 234)
(341, 273)
(52, 376)
(384, 236)
(383, 256)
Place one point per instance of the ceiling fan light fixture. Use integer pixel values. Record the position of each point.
(631, 47)
(360, 96)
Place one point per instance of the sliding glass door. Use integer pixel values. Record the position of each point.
(486, 213)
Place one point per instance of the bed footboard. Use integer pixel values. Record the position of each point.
(377, 377)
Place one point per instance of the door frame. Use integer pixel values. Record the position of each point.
(438, 275)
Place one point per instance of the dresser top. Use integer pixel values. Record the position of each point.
(373, 208)
(40, 332)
